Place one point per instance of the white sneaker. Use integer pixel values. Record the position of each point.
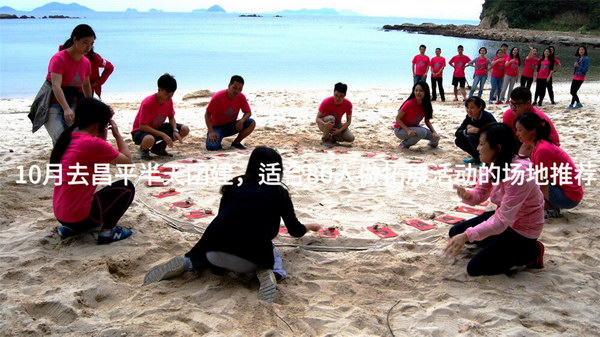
(174, 267)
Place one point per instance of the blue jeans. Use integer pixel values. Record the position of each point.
(422, 133)
(496, 88)
(223, 131)
(418, 78)
(559, 200)
(478, 79)
(56, 123)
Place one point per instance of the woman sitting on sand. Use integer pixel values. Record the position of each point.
(78, 150)
(565, 192)
(508, 235)
(239, 238)
(467, 134)
(410, 115)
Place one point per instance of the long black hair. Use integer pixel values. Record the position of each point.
(502, 138)
(426, 104)
(532, 121)
(89, 111)
(550, 58)
(515, 56)
(260, 160)
(79, 32)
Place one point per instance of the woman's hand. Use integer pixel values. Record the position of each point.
(455, 244)
(462, 192)
(69, 116)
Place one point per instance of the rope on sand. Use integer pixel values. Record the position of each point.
(387, 318)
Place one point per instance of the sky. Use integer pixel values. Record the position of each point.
(438, 9)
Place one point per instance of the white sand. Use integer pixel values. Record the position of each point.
(75, 287)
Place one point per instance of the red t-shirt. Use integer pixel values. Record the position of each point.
(73, 72)
(530, 66)
(225, 110)
(549, 155)
(512, 69)
(413, 113)
(436, 64)
(152, 113)
(459, 62)
(421, 63)
(72, 203)
(544, 71)
(481, 66)
(509, 118)
(329, 108)
(97, 63)
(498, 68)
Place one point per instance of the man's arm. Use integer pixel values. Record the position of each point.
(211, 132)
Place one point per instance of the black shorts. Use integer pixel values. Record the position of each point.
(138, 135)
(458, 80)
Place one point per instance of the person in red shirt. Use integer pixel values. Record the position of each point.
(438, 63)
(529, 67)
(416, 108)
(511, 72)
(150, 131)
(497, 76)
(459, 62)
(557, 66)
(545, 69)
(420, 65)
(482, 66)
(221, 116)
(96, 79)
(329, 117)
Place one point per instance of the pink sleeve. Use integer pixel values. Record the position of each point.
(103, 63)
(56, 65)
(479, 194)
(506, 213)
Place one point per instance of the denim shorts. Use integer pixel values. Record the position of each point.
(223, 131)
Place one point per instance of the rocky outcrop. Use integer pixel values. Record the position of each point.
(504, 35)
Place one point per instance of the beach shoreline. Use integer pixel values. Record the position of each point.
(74, 287)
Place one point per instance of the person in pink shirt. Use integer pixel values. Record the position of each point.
(582, 65)
(497, 76)
(78, 152)
(557, 66)
(482, 66)
(438, 63)
(520, 103)
(545, 68)
(221, 116)
(560, 189)
(97, 79)
(329, 117)
(511, 72)
(509, 235)
(69, 73)
(529, 67)
(416, 108)
(150, 129)
(420, 65)
(459, 62)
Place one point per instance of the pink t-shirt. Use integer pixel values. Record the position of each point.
(520, 204)
(512, 69)
(436, 64)
(481, 66)
(530, 66)
(225, 110)
(72, 202)
(413, 113)
(73, 72)
(459, 62)
(549, 155)
(152, 113)
(544, 71)
(498, 68)
(509, 119)
(329, 108)
(421, 63)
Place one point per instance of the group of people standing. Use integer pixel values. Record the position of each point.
(504, 68)
(240, 237)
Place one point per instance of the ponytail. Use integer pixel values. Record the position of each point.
(79, 32)
(61, 145)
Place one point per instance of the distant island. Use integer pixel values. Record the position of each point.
(212, 9)
(54, 7)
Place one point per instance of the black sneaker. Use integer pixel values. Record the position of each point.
(145, 154)
(159, 149)
(238, 146)
(116, 234)
(65, 232)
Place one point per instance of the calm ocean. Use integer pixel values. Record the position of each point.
(203, 50)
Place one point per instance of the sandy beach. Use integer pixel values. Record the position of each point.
(354, 285)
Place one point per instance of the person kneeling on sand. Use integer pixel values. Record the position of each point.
(239, 238)
(150, 131)
(410, 115)
(221, 116)
(329, 117)
(509, 234)
(78, 150)
(467, 134)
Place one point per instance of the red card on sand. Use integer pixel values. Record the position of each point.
(222, 155)
(162, 175)
(182, 204)
(330, 233)
(382, 231)
(188, 161)
(341, 151)
(418, 224)
(369, 154)
(391, 158)
(156, 184)
(284, 232)
(470, 210)
(449, 219)
(197, 215)
(203, 158)
(165, 169)
(416, 162)
(435, 167)
(165, 194)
